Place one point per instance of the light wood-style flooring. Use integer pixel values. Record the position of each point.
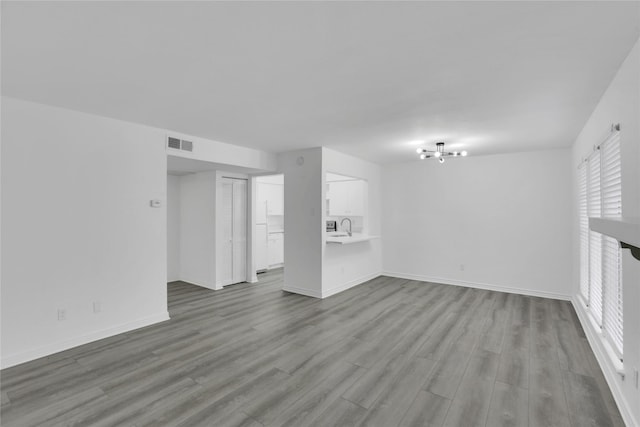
(389, 352)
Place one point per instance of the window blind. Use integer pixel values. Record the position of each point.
(611, 194)
(584, 232)
(595, 239)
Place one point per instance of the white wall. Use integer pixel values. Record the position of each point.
(77, 227)
(303, 206)
(619, 104)
(505, 218)
(197, 229)
(345, 266)
(173, 228)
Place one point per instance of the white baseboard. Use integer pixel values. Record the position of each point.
(302, 291)
(478, 285)
(611, 375)
(47, 350)
(349, 284)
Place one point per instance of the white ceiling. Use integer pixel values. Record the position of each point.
(365, 78)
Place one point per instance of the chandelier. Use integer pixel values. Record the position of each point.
(439, 153)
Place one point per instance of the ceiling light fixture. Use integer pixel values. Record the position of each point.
(439, 153)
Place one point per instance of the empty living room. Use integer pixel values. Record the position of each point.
(320, 213)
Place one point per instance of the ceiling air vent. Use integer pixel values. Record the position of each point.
(187, 145)
(179, 144)
(173, 143)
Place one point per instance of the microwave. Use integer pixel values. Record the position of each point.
(332, 226)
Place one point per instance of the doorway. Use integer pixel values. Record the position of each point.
(209, 233)
(269, 222)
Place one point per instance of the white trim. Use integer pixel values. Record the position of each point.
(597, 330)
(274, 266)
(26, 356)
(607, 364)
(302, 291)
(349, 284)
(477, 285)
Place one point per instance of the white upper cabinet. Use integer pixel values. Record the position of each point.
(346, 198)
(269, 201)
(275, 199)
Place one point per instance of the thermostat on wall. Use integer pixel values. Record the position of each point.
(156, 203)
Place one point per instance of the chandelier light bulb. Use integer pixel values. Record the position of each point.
(439, 153)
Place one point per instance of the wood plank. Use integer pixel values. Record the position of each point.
(514, 359)
(544, 341)
(586, 407)
(375, 381)
(509, 406)
(573, 350)
(547, 404)
(341, 413)
(473, 397)
(310, 405)
(396, 399)
(427, 410)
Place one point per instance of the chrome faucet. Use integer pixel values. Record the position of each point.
(350, 226)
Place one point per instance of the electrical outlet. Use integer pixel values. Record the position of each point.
(97, 307)
(62, 314)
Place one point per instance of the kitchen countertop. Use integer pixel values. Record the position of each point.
(344, 239)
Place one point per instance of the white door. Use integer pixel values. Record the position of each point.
(226, 266)
(234, 231)
(239, 230)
